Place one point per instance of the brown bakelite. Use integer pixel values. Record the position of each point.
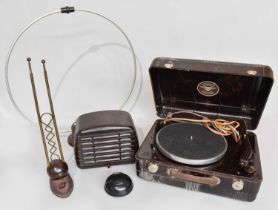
(104, 138)
(62, 187)
(61, 183)
(57, 169)
(230, 91)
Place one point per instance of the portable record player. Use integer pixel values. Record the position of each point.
(203, 140)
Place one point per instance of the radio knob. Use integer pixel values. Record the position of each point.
(153, 168)
(238, 184)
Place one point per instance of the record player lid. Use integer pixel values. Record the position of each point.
(214, 89)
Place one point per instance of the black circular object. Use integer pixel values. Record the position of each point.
(118, 184)
(190, 143)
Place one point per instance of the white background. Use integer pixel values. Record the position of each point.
(225, 30)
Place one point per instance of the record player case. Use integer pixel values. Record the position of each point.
(231, 91)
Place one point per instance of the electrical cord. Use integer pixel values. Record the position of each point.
(218, 126)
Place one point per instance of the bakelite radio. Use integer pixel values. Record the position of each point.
(104, 138)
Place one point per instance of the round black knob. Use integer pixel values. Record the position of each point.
(118, 184)
(70, 140)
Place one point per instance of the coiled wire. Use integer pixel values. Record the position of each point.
(47, 121)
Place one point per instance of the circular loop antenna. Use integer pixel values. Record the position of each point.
(61, 12)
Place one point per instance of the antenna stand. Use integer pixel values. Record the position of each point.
(61, 183)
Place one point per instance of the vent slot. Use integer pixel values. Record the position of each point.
(106, 147)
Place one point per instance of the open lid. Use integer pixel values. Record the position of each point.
(214, 89)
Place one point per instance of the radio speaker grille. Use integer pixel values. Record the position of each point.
(104, 145)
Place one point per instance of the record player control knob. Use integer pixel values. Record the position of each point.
(237, 184)
(152, 168)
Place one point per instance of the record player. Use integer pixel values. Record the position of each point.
(181, 150)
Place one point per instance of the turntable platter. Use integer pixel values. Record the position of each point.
(190, 143)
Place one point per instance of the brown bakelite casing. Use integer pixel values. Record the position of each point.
(230, 91)
(104, 138)
(61, 183)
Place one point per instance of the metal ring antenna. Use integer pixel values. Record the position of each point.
(63, 10)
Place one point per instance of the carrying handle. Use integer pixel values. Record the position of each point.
(207, 180)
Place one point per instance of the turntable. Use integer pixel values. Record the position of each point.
(203, 140)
